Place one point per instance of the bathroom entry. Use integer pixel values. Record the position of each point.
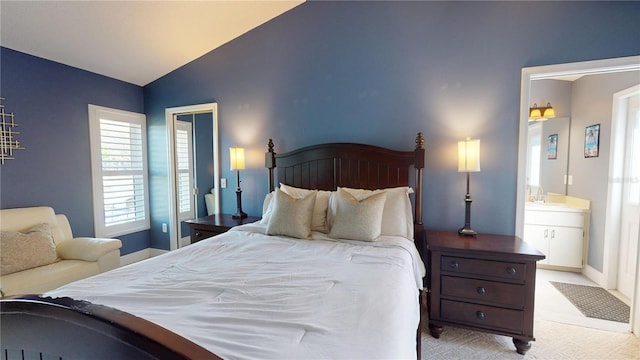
(194, 172)
(627, 131)
(194, 168)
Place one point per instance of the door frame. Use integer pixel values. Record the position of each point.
(170, 116)
(556, 71)
(614, 194)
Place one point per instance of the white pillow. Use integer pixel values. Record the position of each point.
(397, 217)
(266, 208)
(357, 219)
(291, 216)
(319, 220)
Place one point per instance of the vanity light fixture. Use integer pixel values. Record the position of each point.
(468, 161)
(541, 113)
(237, 164)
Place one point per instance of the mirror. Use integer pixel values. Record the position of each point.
(192, 134)
(548, 151)
(196, 192)
(548, 156)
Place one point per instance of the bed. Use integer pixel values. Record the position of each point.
(312, 279)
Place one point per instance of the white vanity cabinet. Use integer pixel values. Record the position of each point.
(558, 231)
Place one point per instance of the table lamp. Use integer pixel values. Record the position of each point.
(237, 164)
(468, 161)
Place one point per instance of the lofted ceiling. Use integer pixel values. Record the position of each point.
(134, 41)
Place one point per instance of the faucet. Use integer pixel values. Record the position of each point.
(540, 194)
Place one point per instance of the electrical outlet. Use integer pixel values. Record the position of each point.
(164, 227)
(223, 183)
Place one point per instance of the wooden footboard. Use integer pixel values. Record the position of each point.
(33, 327)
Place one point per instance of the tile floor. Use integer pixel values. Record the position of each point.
(553, 306)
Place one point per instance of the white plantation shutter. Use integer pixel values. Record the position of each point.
(184, 164)
(119, 171)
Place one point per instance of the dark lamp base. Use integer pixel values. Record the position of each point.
(467, 232)
(239, 215)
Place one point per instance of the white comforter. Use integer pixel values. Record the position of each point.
(245, 295)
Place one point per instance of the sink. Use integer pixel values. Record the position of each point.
(546, 204)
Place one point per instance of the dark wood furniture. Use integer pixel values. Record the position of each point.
(323, 167)
(485, 283)
(329, 166)
(34, 327)
(212, 225)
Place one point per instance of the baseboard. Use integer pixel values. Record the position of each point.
(140, 255)
(594, 275)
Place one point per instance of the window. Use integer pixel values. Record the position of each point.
(119, 171)
(184, 164)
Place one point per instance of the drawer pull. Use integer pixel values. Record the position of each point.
(481, 290)
(480, 315)
(511, 270)
(454, 265)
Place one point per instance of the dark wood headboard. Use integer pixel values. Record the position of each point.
(328, 166)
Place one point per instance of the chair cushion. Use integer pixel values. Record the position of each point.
(45, 278)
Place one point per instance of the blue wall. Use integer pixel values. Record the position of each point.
(50, 104)
(370, 72)
(379, 72)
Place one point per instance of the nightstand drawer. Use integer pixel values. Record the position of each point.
(498, 269)
(212, 225)
(482, 316)
(201, 234)
(496, 293)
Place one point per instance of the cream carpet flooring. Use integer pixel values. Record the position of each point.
(561, 331)
(553, 341)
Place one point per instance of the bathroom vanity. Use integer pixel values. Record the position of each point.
(559, 228)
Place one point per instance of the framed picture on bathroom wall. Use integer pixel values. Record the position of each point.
(552, 147)
(591, 141)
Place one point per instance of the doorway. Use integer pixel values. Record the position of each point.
(573, 70)
(623, 208)
(192, 133)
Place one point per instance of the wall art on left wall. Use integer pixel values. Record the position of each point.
(8, 142)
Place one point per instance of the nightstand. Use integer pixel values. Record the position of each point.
(484, 283)
(212, 225)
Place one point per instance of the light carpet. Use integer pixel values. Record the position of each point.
(553, 341)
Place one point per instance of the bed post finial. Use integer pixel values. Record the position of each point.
(419, 166)
(419, 141)
(270, 163)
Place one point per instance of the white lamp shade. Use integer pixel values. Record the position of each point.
(237, 158)
(469, 155)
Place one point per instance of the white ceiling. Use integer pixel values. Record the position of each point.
(134, 41)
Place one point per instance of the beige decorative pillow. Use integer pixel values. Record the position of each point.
(397, 216)
(291, 216)
(319, 219)
(357, 219)
(28, 249)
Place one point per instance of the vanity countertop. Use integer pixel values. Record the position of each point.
(560, 203)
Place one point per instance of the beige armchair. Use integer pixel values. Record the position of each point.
(74, 258)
